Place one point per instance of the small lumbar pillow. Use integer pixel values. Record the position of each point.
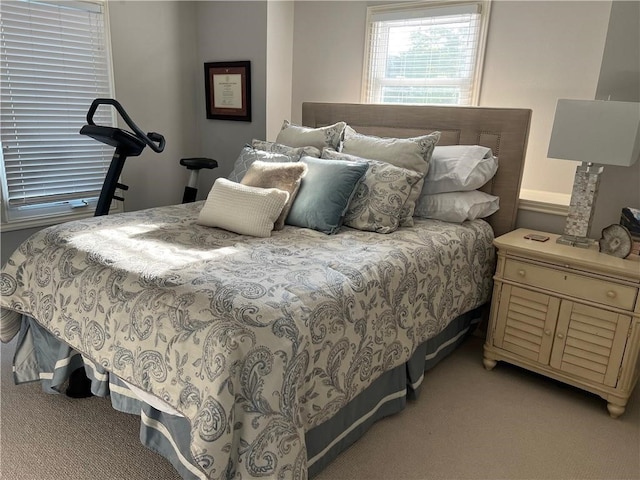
(283, 176)
(378, 201)
(456, 168)
(321, 137)
(242, 209)
(457, 207)
(248, 155)
(295, 153)
(325, 193)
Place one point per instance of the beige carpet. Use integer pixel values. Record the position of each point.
(467, 424)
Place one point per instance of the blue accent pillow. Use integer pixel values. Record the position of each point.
(324, 194)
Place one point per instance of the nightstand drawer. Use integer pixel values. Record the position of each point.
(579, 286)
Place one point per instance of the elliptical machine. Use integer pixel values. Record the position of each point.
(127, 145)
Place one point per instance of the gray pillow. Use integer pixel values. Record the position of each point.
(410, 153)
(294, 152)
(381, 195)
(324, 194)
(248, 155)
(321, 137)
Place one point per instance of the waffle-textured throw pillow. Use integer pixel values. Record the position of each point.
(242, 209)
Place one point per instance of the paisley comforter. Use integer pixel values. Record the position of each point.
(254, 340)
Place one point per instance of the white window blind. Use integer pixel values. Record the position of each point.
(54, 60)
(425, 52)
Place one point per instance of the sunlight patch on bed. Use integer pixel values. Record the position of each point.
(140, 248)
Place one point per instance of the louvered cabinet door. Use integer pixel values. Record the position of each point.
(526, 323)
(590, 342)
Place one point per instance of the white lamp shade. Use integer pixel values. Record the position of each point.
(596, 131)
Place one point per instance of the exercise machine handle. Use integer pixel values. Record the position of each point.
(156, 137)
(154, 140)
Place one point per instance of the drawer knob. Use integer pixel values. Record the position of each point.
(611, 294)
(547, 332)
(560, 336)
(521, 272)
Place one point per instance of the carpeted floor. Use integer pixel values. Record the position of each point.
(467, 424)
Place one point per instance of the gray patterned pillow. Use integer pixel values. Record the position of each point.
(295, 153)
(248, 155)
(379, 199)
(298, 136)
(410, 153)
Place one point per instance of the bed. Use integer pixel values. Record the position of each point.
(252, 357)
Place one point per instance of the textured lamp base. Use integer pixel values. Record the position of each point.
(582, 242)
(582, 206)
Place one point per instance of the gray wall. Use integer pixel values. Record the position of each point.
(229, 31)
(153, 62)
(280, 65)
(619, 77)
(619, 80)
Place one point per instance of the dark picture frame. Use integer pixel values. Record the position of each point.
(228, 90)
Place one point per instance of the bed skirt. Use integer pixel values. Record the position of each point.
(41, 357)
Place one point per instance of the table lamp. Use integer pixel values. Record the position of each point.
(593, 132)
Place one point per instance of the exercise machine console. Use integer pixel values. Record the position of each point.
(127, 144)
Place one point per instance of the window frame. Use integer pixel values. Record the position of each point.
(61, 211)
(484, 7)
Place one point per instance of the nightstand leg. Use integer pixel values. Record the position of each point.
(489, 363)
(615, 410)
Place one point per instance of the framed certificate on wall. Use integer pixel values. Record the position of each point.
(228, 90)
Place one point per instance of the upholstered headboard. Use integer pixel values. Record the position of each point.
(504, 130)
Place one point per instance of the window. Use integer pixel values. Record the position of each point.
(54, 60)
(425, 52)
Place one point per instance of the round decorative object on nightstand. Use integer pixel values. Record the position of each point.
(616, 240)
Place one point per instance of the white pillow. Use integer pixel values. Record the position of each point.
(242, 209)
(456, 168)
(321, 137)
(457, 206)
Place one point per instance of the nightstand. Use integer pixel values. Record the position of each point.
(569, 313)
